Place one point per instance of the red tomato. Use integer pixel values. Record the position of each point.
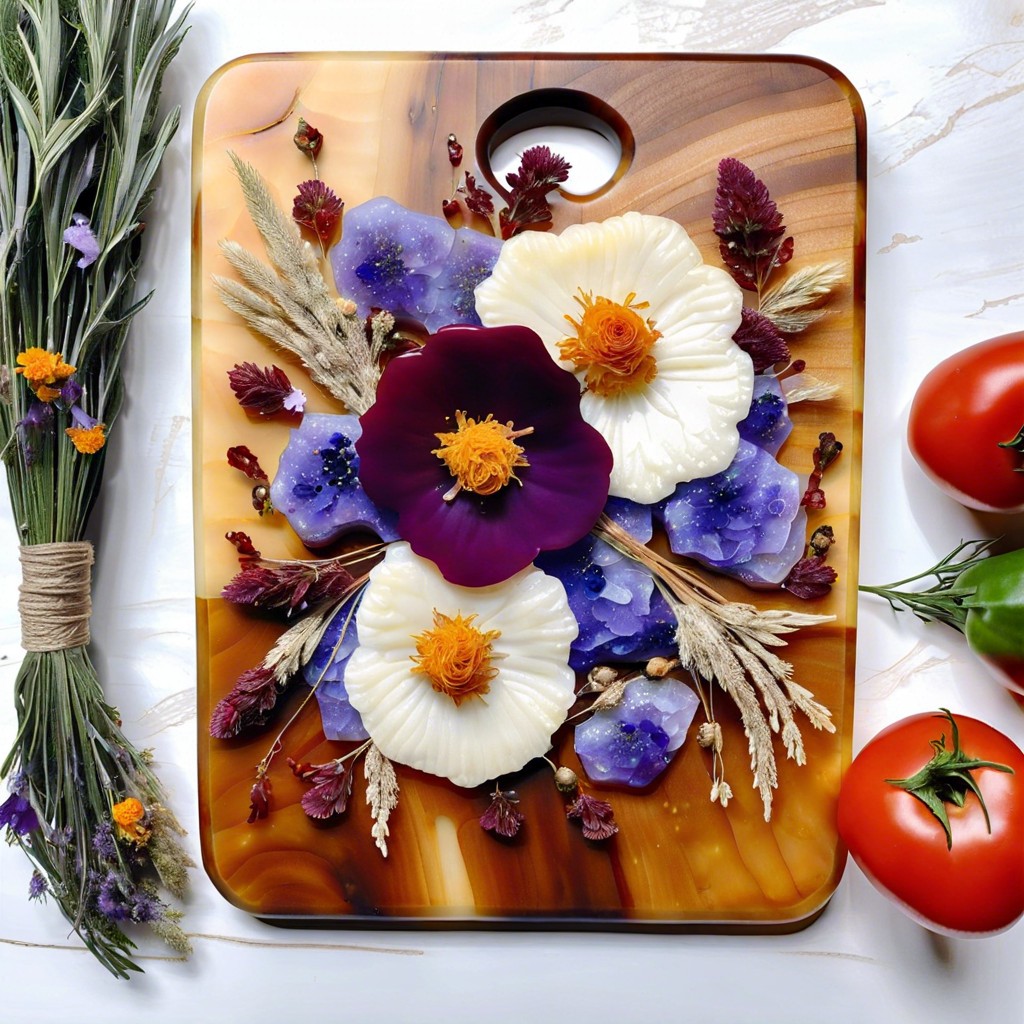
(963, 408)
(976, 885)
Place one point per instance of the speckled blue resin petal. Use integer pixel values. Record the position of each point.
(726, 519)
(412, 264)
(621, 615)
(634, 518)
(317, 486)
(767, 424)
(340, 720)
(632, 743)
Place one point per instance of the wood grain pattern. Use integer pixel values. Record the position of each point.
(678, 861)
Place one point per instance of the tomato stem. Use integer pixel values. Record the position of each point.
(1017, 444)
(947, 778)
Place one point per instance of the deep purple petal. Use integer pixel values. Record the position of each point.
(505, 372)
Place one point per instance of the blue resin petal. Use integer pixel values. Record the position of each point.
(725, 520)
(621, 615)
(317, 486)
(634, 518)
(767, 424)
(472, 259)
(412, 264)
(632, 744)
(340, 720)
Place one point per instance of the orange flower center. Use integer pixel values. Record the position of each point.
(482, 455)
(613, 344)
(456, 656)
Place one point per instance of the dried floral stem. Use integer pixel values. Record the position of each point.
(729, 643)
(289, 303)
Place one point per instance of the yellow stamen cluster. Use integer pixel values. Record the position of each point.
(613, 344)
(129, 816)
(88, 440)
(41, 370)
(481, 454)
(456, 656)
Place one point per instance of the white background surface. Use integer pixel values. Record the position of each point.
(942, 82)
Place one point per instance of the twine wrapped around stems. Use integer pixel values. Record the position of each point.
(55, 601)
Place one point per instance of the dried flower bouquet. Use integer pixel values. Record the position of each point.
(81, 139)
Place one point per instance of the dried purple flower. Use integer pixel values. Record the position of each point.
(760, 339)
(503, 816)
(331, 786)
(38, 888)
(81, 236)
(254, 694)
(17, 814)
(266, 391)
(287, 585)
(540, 173)
(810, 578)
(595, 816)
(752, 236)
(103, 840)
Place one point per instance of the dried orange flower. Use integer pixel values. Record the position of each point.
(129, 816)
(88, 440)
(40, 367)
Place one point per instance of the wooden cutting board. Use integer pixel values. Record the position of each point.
(678, 861)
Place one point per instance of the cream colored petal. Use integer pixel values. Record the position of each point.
(485, 736)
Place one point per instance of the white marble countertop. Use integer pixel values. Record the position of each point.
(942, 83)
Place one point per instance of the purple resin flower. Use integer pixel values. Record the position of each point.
(411, 264)
(479, 531)
(727, 520)
(621, 614)
(317, 486)
(632, 743)
(340, 720)
(767, 424)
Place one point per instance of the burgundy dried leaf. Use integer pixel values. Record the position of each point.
(254, 694)
(308, 140)
(595, 816)
(529, 210)
(810, 578)
(259, 799)
(243, 544)
(454, 151)
(450, 208)
(240, 457)
(540, 171)
(288, 585)
(825, 454)
(761, 340)
(479, 200)
(749, 226)
(266, 391)
(331, 787)
(503, 816)
(317, 209)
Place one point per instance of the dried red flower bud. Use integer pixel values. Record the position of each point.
(331, 787)
(825, 454)
(254, 694)
(595, 817)
(317, 209)
(454, 151)
(566, 780)
(821, 541)
(261, 499)
(450, 208)
(478, 199)
(243, 544)
(503, 816)
(240, 457)
(287, 585)
(810, 578)
(308, 140)
(259, 800)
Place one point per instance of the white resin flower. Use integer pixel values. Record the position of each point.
(629, 305)
(507, 704)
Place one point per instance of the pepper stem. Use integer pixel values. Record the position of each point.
(944, 601)
(947, 779)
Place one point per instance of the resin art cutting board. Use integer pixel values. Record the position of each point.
(678, 861)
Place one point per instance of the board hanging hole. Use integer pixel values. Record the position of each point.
(591, 135)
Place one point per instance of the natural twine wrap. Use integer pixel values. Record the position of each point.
(56, 595)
